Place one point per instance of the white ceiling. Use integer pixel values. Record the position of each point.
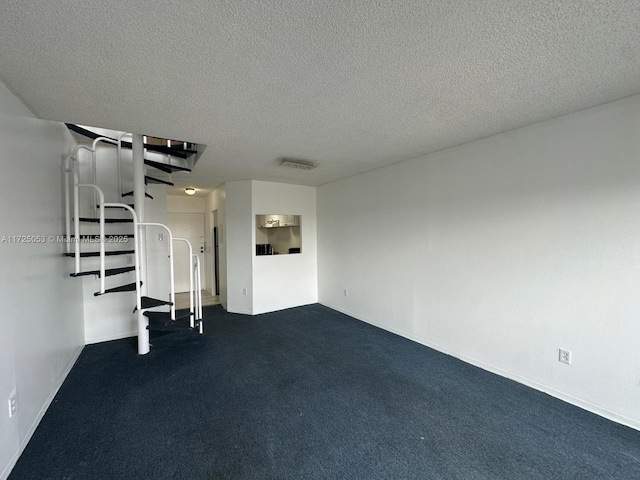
(350, 85)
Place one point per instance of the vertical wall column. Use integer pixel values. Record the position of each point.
(138, 205)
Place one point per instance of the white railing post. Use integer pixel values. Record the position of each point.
(67, 204)
(137, 145)
(103, 240)
(191, 309)
(141, 319)
(198, 291)
(94, 178)
(194, 271)
(119, 164)
(172, 291)
(76, 220)
(143, 333)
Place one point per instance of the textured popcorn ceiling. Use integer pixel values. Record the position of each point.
(351, 85)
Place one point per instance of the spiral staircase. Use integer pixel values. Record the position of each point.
(92, 243)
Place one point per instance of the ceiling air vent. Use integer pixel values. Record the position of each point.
(300, 164)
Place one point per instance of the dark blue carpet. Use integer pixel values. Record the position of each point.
(309, 393)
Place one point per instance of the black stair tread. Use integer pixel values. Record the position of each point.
(130, 194)
(165, 317)
(148, 302)
(176, 152)
(109, 206)
(176, 326)
(110, 253)
(129, 287)
(165, 167)
(106, 220)
(148, 179)
(108, 272)
(179, 146)
(110, 235)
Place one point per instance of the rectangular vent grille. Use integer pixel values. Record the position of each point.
(299, 164)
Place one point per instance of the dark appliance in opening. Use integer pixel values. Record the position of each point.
(264, 249)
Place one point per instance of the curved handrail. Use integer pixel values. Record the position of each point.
(198, 287)
(94, 162)
(191, 310)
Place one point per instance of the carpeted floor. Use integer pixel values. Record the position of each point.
(309, 393)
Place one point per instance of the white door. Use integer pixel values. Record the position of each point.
(191, 227)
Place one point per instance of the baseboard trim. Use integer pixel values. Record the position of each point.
(108, 338)
(279, 309)
(43, 410)
(603, 412)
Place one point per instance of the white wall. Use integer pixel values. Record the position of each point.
(284, 281)
(502, 250)
(181, 209)
(239, 246)
(42, 328)
(185, 204)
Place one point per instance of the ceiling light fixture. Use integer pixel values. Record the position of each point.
(190, 191)
(300, 164)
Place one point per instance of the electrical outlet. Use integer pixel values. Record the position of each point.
(564, 356)
(244, 291)
(161, 237)
(346, 292)
(13, 405)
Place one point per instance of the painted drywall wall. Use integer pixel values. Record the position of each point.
(503, 250)
(284, 281)
(180, 208)
(215, 206)
(239, 246)
(42, 326)
(185, 204)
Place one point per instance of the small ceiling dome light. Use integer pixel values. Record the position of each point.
(190, 191)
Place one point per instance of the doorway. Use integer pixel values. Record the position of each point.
(191, 227)
(215, 252)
